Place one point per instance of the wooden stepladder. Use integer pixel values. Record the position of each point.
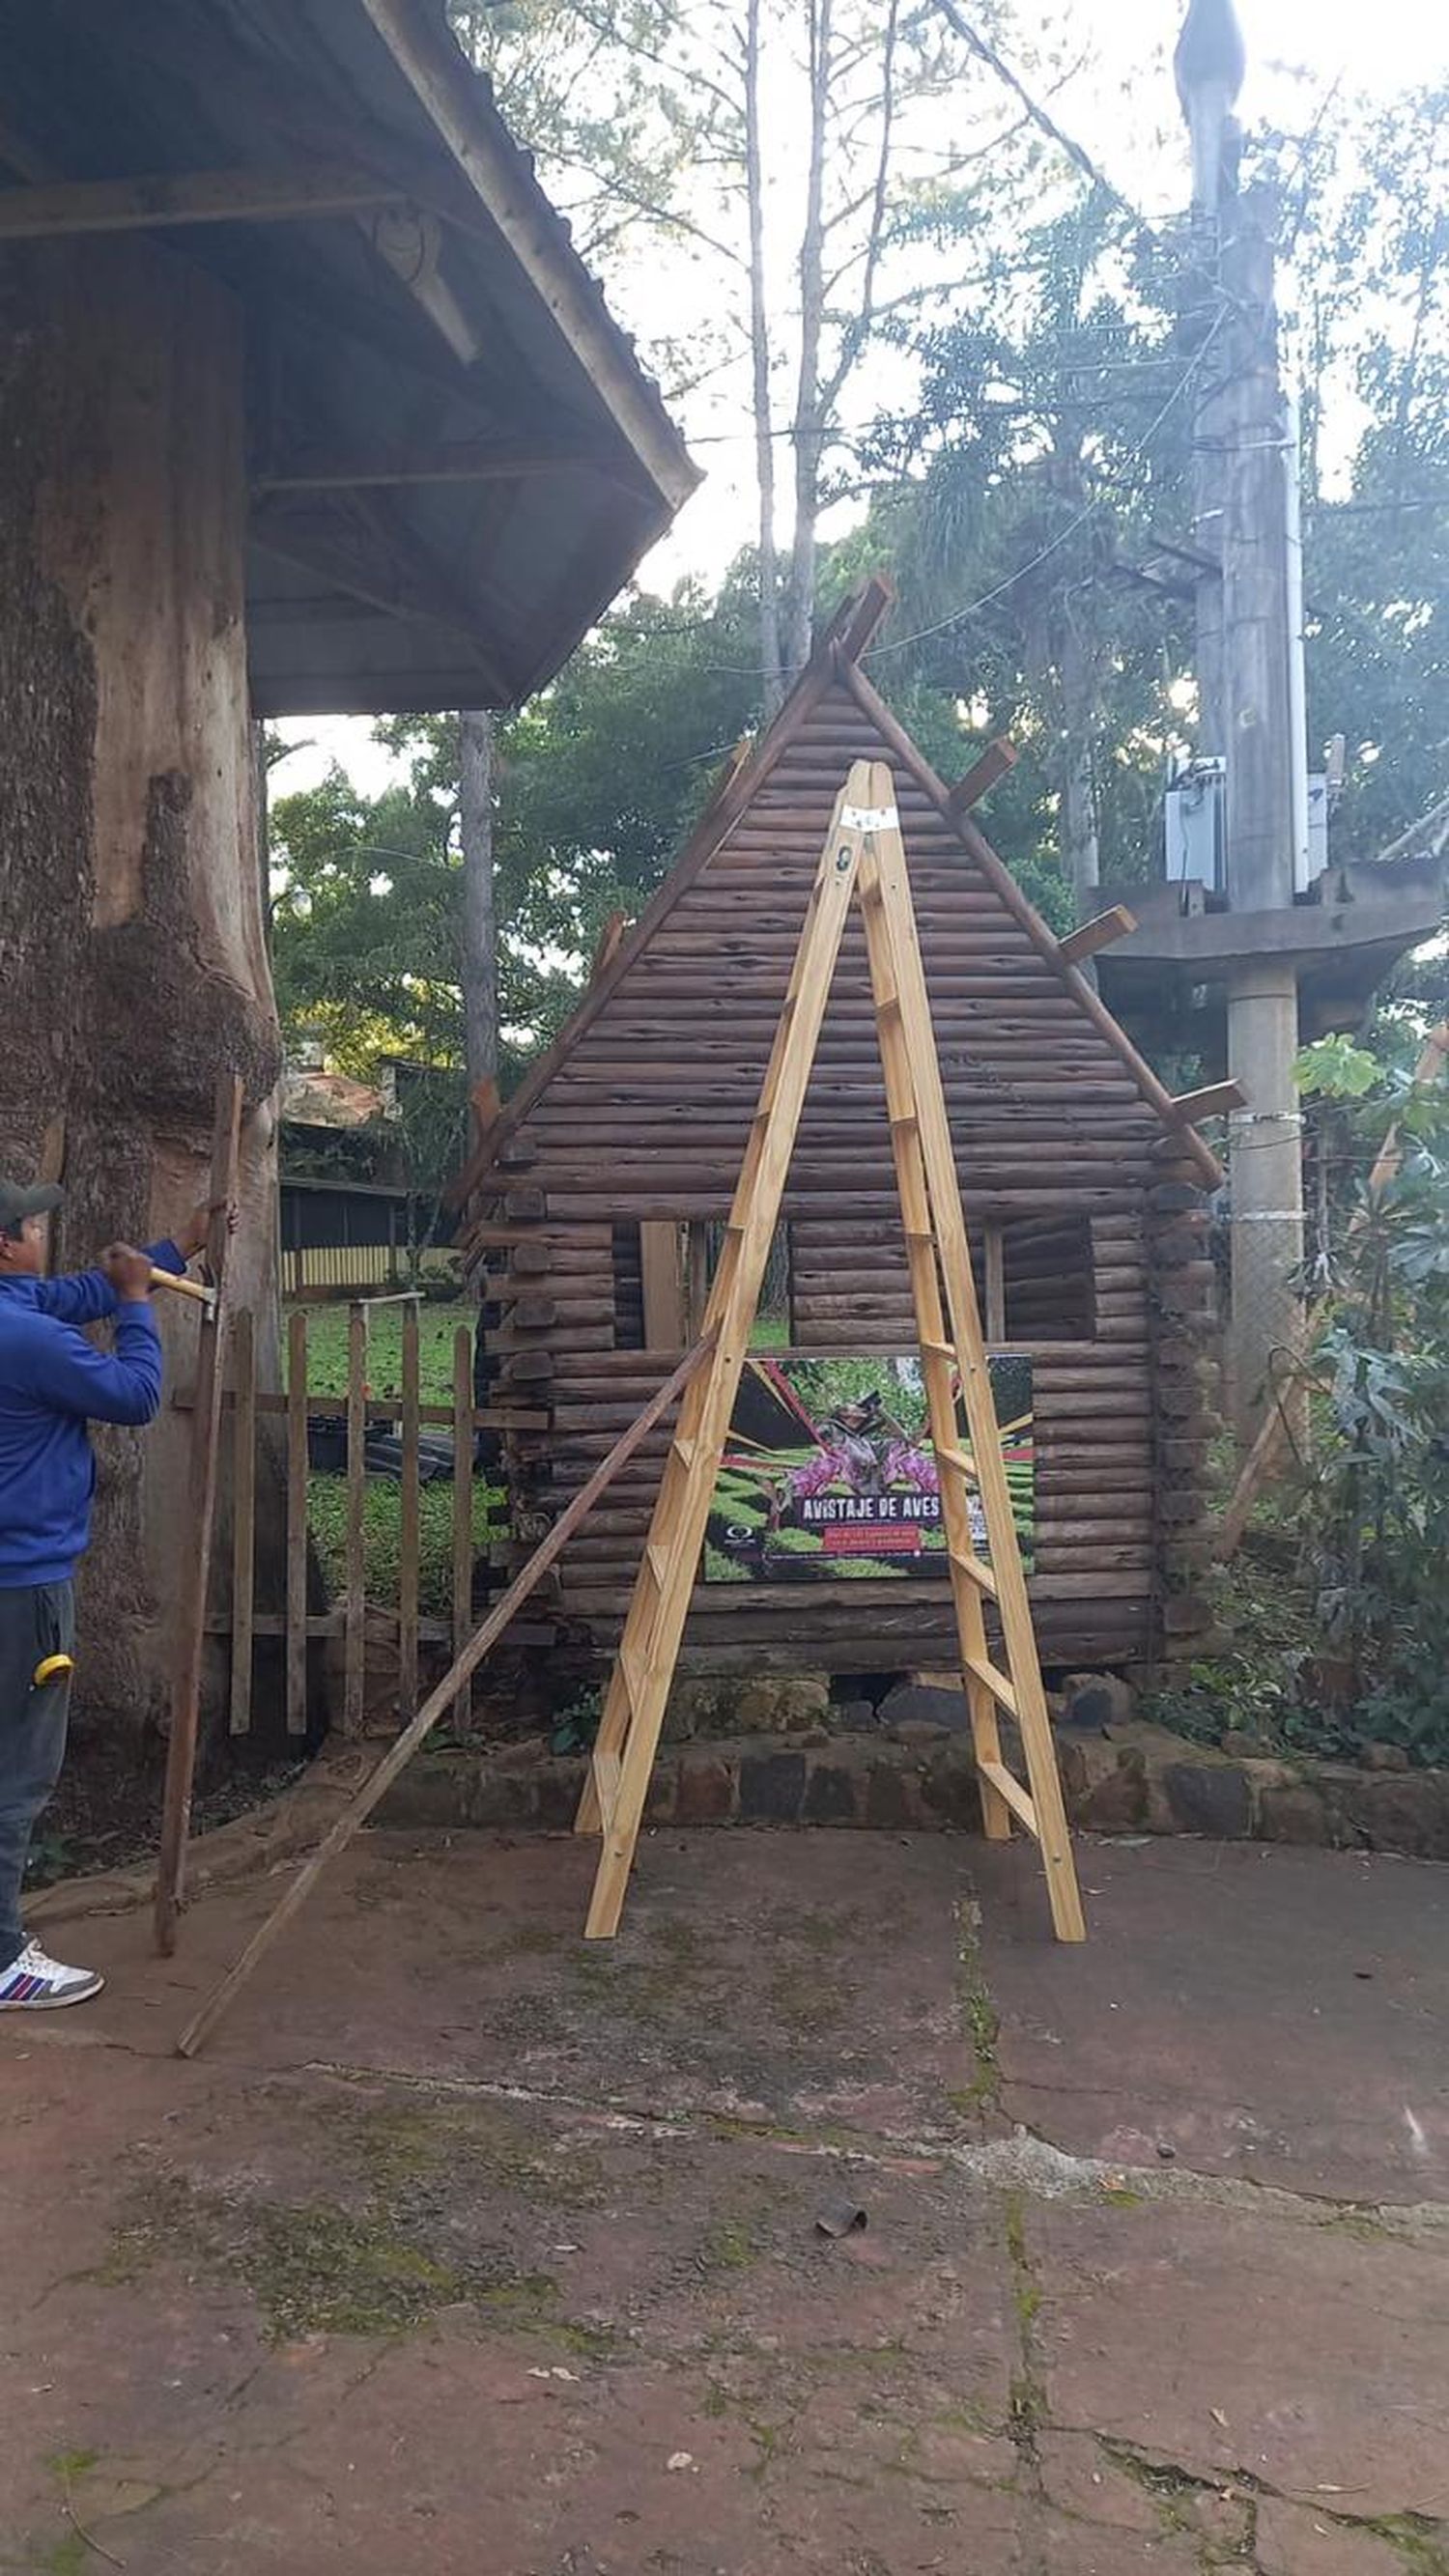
(863, 855)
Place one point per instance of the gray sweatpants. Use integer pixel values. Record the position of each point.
(35, 1622)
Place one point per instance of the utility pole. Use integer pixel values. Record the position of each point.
(1250, 670)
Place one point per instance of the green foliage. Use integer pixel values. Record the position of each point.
(1334, 1068)
(598, 779)
(1353, 1643)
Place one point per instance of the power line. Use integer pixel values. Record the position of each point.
(1076, 153)
(958, 616)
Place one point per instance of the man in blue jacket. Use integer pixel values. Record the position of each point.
(52, 1383)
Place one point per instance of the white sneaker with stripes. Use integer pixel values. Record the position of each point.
(34, 1983)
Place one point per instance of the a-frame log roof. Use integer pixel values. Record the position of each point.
(833, 677)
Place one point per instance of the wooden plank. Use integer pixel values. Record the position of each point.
(1214, 1100)
(333, 1408)
(197, 1526)
(995, 1244)
(1099, 932)
(354, 1672)
(288, 195)
(408, 1533)
(662, 1274)
(996, 761)
(297, 1463)
(463, 1503)
(244, 1518)
(1009, 1788)
(437, 1703)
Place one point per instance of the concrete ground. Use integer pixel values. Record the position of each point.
(472, 2250)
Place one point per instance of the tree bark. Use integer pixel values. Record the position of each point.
(771, 677)
(132, 946)
(480, 907)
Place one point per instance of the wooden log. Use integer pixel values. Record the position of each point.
(355, 1628)
(462, 1506)
(396, 1759)
(1101, 931)
(244, 1517)
(408, 1520)
(200, 1511)
(297, 1464)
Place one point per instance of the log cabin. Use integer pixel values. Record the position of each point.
(595, 1198)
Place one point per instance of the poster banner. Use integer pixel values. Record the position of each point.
(829, 1471)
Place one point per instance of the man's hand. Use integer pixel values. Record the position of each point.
(129, 1273)
(192, 1238)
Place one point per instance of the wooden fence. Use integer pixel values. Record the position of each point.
(354, 1613)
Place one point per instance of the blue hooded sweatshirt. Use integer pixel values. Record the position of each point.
(52, 1382)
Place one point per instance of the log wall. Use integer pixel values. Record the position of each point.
(646, 1118)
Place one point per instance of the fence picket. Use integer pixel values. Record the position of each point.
(244, 1516)
(355, 1634)
(463, 1505)
(296, 1524)
(407, 1602)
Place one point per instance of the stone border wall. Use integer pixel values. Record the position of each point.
(1134, 1779)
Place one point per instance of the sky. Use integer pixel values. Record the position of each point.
(1120, 105)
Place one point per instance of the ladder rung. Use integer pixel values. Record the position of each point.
(919, 1233)
(656, 1557)
(938, 1350)
(1012, 1791)
(888, 1002)
(634, 1675)
(982, 1669)
(607, 1768)
(907, 1119)
(977, 1573)
(682, 1448)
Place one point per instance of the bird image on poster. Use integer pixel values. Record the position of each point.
(829, 1471)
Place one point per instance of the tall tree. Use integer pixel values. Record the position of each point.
(478, 944)
(1051, 435)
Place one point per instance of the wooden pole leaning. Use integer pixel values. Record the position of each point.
(863, 854)
(438, 1702)
(200, 1512)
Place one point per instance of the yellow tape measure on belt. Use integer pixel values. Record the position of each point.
(54, 1668)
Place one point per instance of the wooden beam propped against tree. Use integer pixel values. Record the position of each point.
(293, 193)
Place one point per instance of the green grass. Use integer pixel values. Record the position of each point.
(327, 1331)
(327, 1348)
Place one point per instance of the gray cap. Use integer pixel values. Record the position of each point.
(16, 1204)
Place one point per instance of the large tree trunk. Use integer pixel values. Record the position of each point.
(131, 925)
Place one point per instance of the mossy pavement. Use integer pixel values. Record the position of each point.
(464, 2229)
